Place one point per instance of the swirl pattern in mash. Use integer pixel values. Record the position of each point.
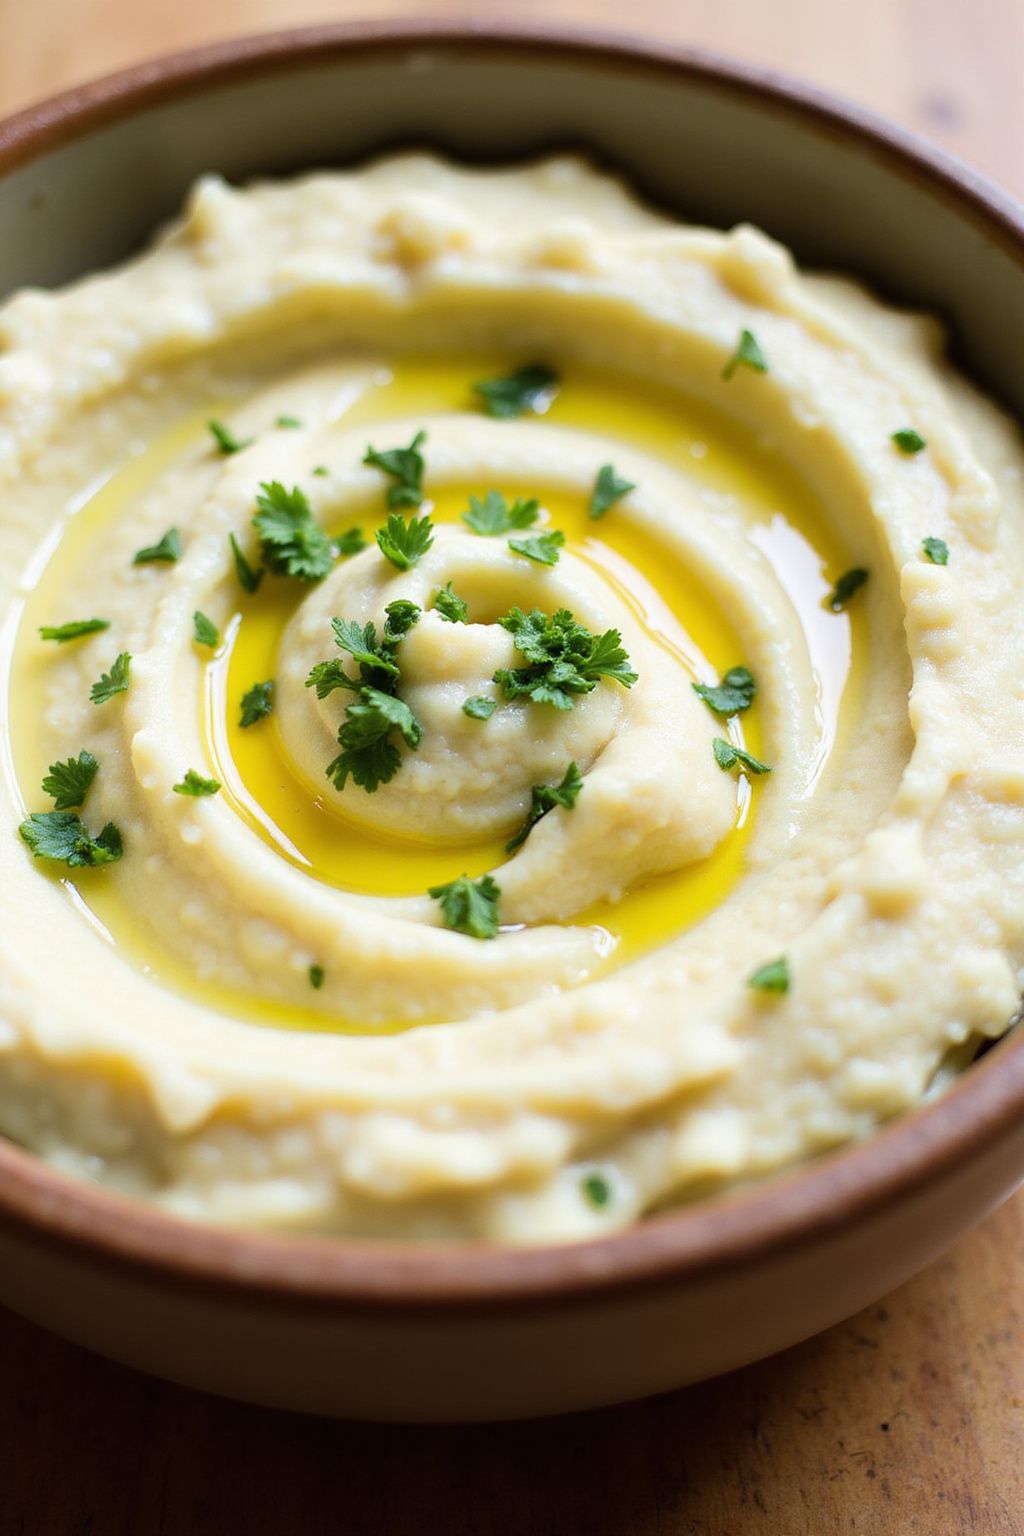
(552, 1088)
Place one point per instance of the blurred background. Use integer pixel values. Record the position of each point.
(951, 69)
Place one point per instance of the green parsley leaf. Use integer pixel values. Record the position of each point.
(479, 708)
(937, 550)
(527, 389)
(494, 515)
(452, 608)
(287, 421)
(204, 630)
(772, 977)
(351, 542)
(748, 354)
(114, 681)
(225, 439)
(248, 579)
(404, 542)
(565, 658)
(367, 754)
(469, 906)
(195, 785)
(316, 977)
(734, 694)
(73, 630)
(405, 466)
(321, 469)
(908, 441)
(69, 782)
(544, 798)
(597, 1190)
(541, 547)
(361, 644)
(257, 703)
(60, 835)
(399, 618)
(377, 666)
(292, 541)
(727, 756)
(168, 549)
(608, 489)
(849, 583)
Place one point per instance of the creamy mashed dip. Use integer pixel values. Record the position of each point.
(540, 732)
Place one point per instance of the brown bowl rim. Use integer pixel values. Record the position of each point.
(693, 1243)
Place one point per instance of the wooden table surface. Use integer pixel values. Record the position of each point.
(909, 1418)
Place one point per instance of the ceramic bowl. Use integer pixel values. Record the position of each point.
(395, 1331)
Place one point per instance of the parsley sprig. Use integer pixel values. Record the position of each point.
(735, 693)
(564, 658)
(291, 540)
(61, 836)
(727, 756)
(527, 389)
(469, 906)
(405, 466)
(73, 630)
(545, 798)
(540, 547)
(404, 542)
(369, 755)
(113, 682)
(849, 583)
(748, 354)
(225, 439)
(69, 782)
(493, 515)
(167, 549)
(773, 976)
(257, 703)
(195, 785)
(452, 608)
(608, 489)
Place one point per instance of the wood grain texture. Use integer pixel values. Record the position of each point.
(908, 1419)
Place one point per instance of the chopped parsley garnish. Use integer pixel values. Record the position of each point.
(321, 469)
(204, 630)
(734, 694)
(849, 583)
(728, 756)
(564, 658)
(772, 977)
(909, 441)
(257, 703)
(73, 630)
(404, 542)
(494, 515)
(69, 782)
(60, 835)
(248, 579)
(405, 466)
(114, 681)
(597, 1190)
(168, 549)
(225, 439)
(350, 542)
(541, 547)
(544, 798)
(292, 541)
(748, 354)
(527, 389)
(287, 421)
(367, 753)
(937, 550)
(479, 708)
(469, 906)
(608, 489)
(316, 977)
(195, 785)
(451, 607)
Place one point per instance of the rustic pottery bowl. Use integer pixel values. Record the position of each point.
(394, 1331)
